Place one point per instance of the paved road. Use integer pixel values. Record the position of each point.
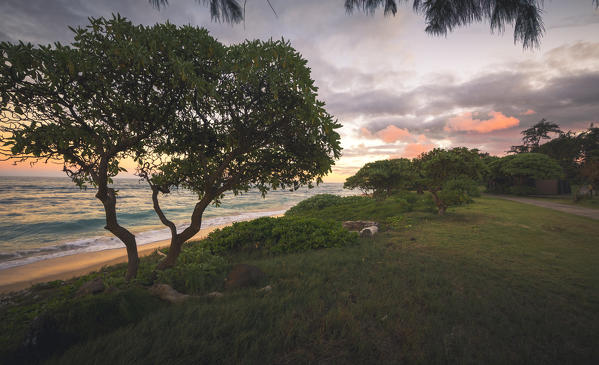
(572, 209)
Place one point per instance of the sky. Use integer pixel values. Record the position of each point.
(396, 90)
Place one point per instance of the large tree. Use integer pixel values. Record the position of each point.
(264, 128)
(105, 97)
(382, 177)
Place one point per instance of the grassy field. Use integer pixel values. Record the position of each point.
(493, 282)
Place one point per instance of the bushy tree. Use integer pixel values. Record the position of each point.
(532, 166)
(107, 96)
(532, 137)
(263, 127)
(518, 172)
(382, 177)
(443, 170)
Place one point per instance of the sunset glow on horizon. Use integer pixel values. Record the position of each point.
(397, 91)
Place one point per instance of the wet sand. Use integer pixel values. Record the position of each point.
(67, 267)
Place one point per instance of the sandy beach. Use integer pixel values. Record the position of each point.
(67, 267)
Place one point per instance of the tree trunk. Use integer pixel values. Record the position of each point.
(108, 198)
(441, 207)
(177, 240)
(173, 253)
(132, 260)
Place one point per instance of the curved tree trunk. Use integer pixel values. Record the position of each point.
(441, 207)
(108, 198)
(177, 240)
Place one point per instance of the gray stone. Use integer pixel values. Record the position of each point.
(369, 231)
(265, 289)
(166, 292)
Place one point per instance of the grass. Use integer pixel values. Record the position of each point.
(491, 282)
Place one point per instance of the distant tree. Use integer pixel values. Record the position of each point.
(589, 168)
(533, 136)
(382, 177)
(262, 128)
(589, 172)
(526, 166)
(440, 168)
(566, 150)
(589, 141)
(105, 97)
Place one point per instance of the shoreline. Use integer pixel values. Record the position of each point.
(70, 266)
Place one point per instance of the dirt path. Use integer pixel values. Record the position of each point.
(582, 211)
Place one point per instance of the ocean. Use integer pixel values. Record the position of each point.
(46, 217)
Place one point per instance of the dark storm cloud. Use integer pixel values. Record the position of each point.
(571, 98)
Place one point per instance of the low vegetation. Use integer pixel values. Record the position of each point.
(278, 235)
(489, 282)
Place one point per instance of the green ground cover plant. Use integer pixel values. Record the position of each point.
(278, 235)
(323, 206)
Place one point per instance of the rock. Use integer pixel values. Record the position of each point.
(265, 289)
(91, 287)
(358, 225)
(369, 231)
(215, 294)
(243, 275)
(166, 292)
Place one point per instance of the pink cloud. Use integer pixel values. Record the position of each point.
(419, 145)
(466, 122)
(391, 134)
(388, 134)
(529, 112)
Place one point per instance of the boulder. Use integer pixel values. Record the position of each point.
(166, 292)
(369, 231)
(91, 287)
(243, 275)
(358, 225)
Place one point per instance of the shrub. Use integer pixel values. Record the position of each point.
(198, 270)
(279, 235)
(459, 191)
(317, 202)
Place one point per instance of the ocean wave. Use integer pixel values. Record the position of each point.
(99, 243)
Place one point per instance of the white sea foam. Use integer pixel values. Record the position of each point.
(99, 243)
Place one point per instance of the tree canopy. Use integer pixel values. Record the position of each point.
(440, 168)
(262, 127)
(441, 16)
(532, 166)
(382, 177)
(107, 96)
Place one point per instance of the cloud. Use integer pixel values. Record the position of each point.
(466, 122)
(415, 149)
(389, 134)
(529, 112)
